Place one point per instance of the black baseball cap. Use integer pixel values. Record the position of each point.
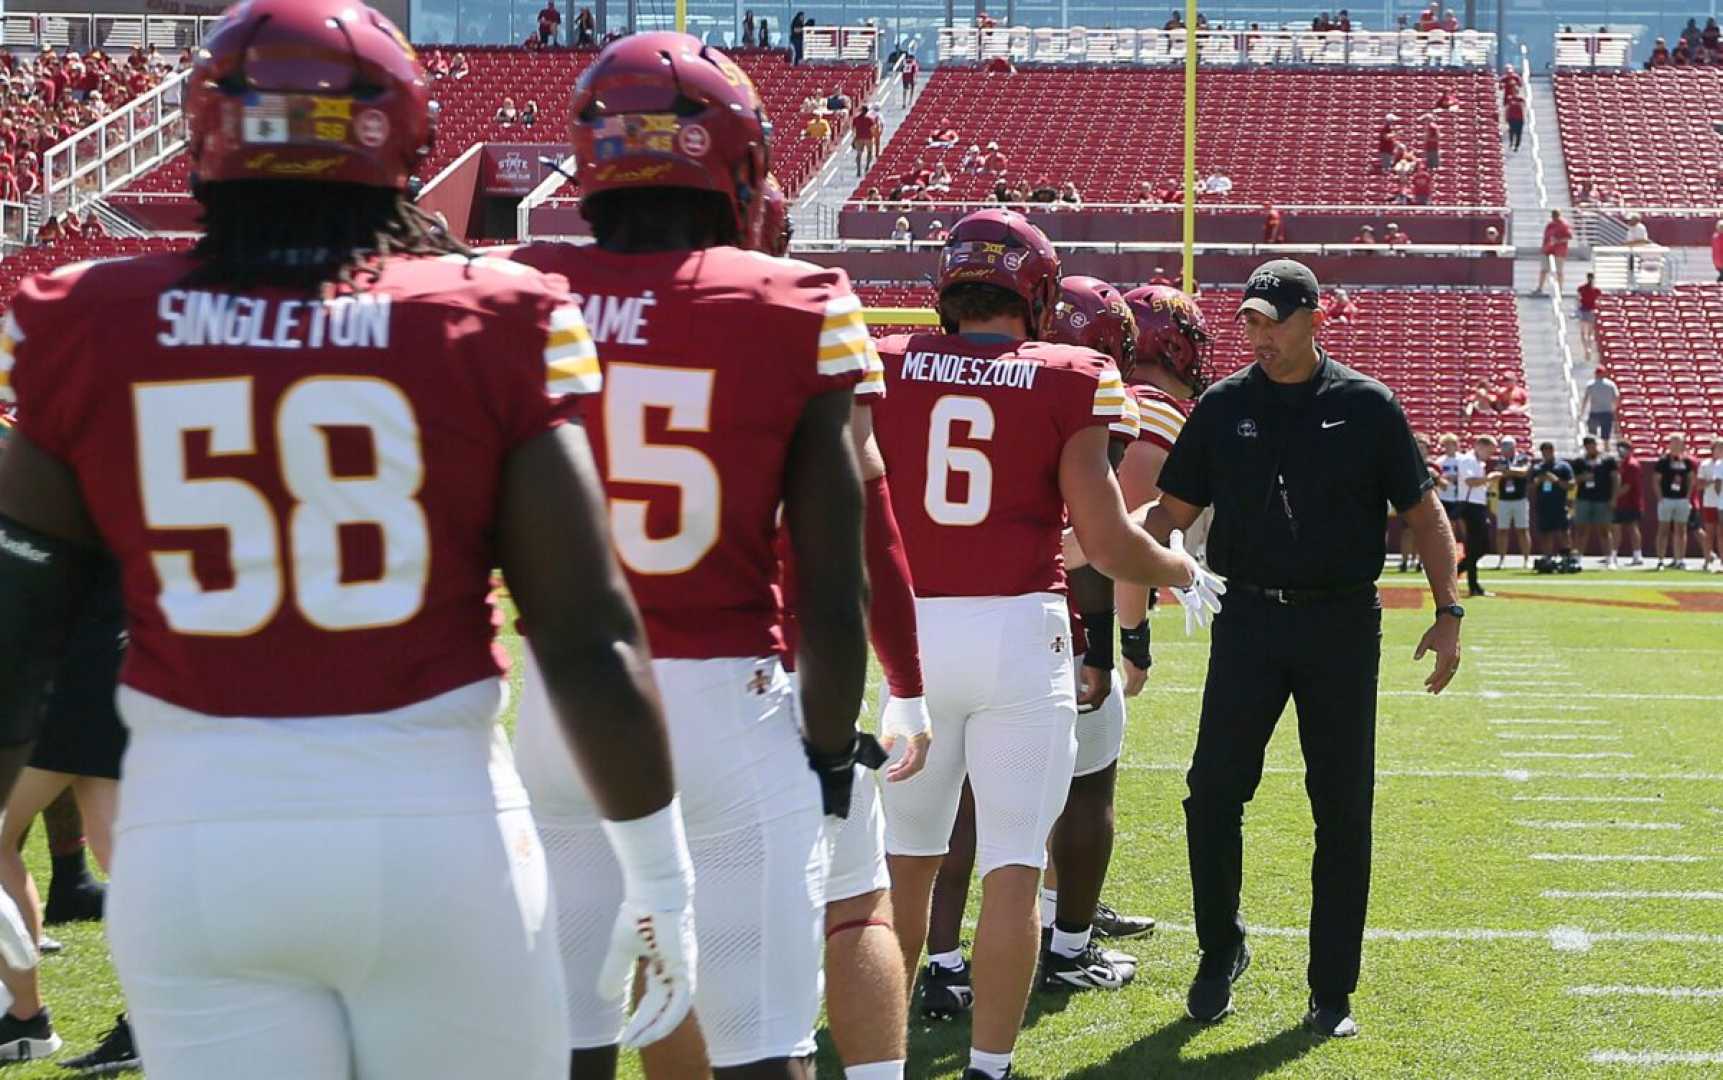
(1279, 288)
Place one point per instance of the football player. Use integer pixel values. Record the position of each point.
(730, 378)
(1174, 351)
(775, 228)
(990, 435)
(308, 442)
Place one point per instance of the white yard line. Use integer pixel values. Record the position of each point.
(1654, 1057)
(1501, 695)
(1632, 826)
(1589, 798)
(1705, 895)
(1679, 993)
(1542, 721)
(1600, 755)
(1518, 776)
(1545, 856)
(1555, 737)
(1561, 938)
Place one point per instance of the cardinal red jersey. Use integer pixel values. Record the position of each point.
(710, 359)
(1160, 416)
(972, 434)
(301, 492)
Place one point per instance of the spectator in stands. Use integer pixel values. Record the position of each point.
(1492, 238)
(1585, 191)
(863, 126)
(507, 113)
(765, 32)
(819, 129)
(72, 227)
(549, 23)
(973, 160)
(936, 231)
(902, 233)
(1273, 225)
(1174, 22)
(1483, 397)
(941, 178)
(1394, 236)
(1659, 55)
(1588, 294)
(1366, 235)
(437, 66)
(1451, 22)
(1432, 146)
(996, 159)
(1558, 234)
(1682, 54)
(459, 68)
(1712, 36)
(1427, 21)
(1339, 307)
(1711, 502)
(873, 200)
(1551, 480)
(1343, 22)
(838, 103)
(1215, 184)
(798, 22)
(1515, 113)
(529, 113)
(944, 137)
(999, 65)
(748, 38)
(1160, 278)
(1386, 141)
(1321, 24)
(907, 80)
(1512, 470)
(1069, 197)
(1717, 249)
(1044, 192)
(1423, 187)
(585, 29)
(1676, 481)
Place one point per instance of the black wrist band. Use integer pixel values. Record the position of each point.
(1098, 625)
(1134, 645)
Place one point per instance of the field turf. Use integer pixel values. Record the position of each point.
(1587, 720)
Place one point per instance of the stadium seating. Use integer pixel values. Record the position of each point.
(469, 107)
(1665, 352)
(1646, 135)
(1431, 346)
(40, 259)
(1287, 136)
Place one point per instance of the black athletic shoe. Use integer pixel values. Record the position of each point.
(116, 1053)
(945, 993)
(27, 1040)
(81, 902)
(1094, 968)
(1210, 996)
(1331, 1018)
(977, 1074)
(1110, 924)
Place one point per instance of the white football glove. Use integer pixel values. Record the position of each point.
(905, 732)
(17, 947)
(654, 928)
(1201, 598)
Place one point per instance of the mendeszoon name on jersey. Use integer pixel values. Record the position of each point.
(970, 370)
(195, 318)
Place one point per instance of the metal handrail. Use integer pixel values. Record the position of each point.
(1409, 210)
(1236, 47)
(1574, 393)
(85, 166)
(1120, 247)
(83, 30)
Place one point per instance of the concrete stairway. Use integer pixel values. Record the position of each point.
(815, 214)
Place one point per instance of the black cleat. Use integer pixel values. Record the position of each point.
(1094, 968)
(977, 1074)
(1331, 1017)
(1210, 996)
(1110, 924)
(115, 1053)
(945, 993)
(74, 903)
(27, 1040)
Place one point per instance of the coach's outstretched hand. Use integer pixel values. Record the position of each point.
(17, 948)
(654, 928)
(1201, 598)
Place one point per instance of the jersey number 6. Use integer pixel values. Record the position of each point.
(943, 459)
(324, 503)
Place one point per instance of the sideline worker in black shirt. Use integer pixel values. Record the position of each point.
(1300, 457)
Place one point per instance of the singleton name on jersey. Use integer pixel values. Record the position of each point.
(192, 318)
(970, 371)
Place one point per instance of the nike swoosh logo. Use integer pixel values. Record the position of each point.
(1326, 424)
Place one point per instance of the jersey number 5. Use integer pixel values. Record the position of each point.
(943, 459)
(686, 398)
(324, 503)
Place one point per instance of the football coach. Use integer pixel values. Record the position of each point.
(1300, 456)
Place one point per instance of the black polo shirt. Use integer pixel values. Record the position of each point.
(1300, 477)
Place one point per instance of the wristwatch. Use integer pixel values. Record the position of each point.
(1455, 610)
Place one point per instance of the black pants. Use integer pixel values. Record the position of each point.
(1477, 519)
(1325, 657)
(1515, 129)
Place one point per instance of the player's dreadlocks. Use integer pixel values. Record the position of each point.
(307, 236)
(660, 219)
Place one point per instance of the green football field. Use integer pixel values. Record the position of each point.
(1548, 894)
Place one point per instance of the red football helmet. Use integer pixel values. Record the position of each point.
(325, 91)
(1093, 314)
(775, 230)
(1001, 248)
(1172, 334)
(664, 110)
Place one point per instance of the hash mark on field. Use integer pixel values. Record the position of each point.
(1590, 756)
(1590, 798)
(1641, 826)
(1700, 993)
(1631, 894)
(1657, 1057)
(1555, 737)
(1545, 856)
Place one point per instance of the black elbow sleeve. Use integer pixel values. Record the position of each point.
(42, 584)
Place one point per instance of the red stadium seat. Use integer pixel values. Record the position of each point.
(1646, 135)
(1665, 352)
